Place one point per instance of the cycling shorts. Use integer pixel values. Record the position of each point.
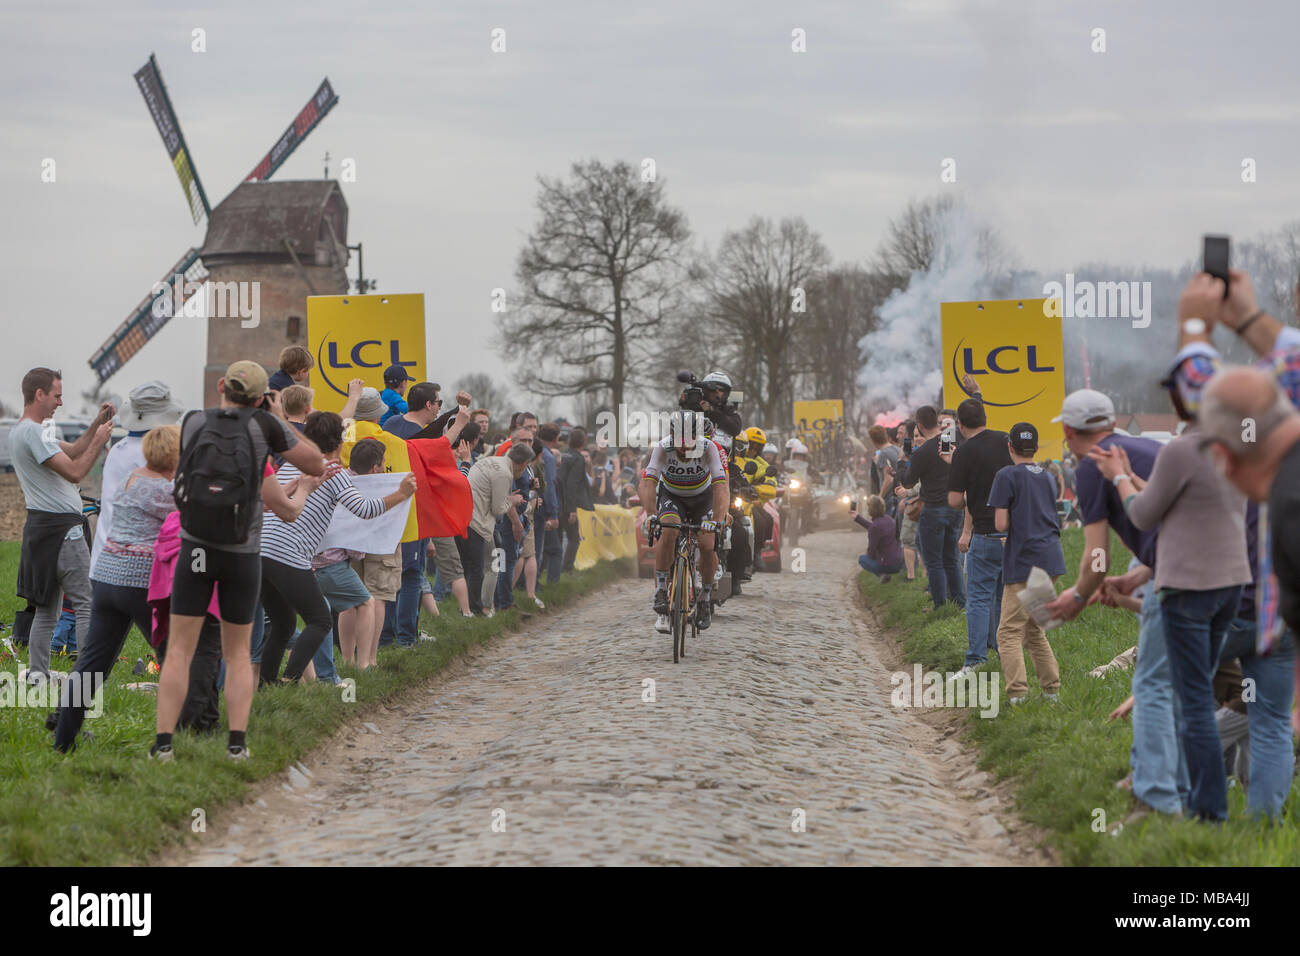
(692, 510)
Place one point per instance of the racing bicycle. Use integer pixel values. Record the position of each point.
(683, 586)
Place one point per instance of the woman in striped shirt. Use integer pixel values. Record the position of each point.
(289, 588)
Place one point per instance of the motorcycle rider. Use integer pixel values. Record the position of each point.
(760, 477)
(711, 395)
(686, 479)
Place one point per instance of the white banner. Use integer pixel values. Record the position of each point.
(375, 535)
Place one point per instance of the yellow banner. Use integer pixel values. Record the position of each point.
(608, 533)
(358, 336)
(818, 416)
(1013, 351)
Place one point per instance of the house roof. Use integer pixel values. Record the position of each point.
(256, 218)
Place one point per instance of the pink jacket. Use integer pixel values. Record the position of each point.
(166, 549)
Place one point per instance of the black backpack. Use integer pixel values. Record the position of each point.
(218, 485)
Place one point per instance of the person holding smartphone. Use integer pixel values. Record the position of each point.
(884, 555)
(939, 525)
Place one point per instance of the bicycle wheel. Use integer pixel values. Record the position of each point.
(678, 605)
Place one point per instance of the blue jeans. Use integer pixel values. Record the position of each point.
(552, 554)
(402, 617)
(1272, 761)
(937, 532)
(257, 637)
(1195, 625)
(1159, 771)
(65, 633)
(323, 660)
(983, 596)
(505, 540)
(875, 567)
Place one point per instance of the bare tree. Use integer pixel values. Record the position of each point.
(600, 271)
(759, 277)
(915, 237)
(486, 393)
(841, 311)
(1273, 261)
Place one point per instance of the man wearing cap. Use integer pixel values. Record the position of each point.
(148, 405)
(1191, 504)
(1159, 771)
(395, 379)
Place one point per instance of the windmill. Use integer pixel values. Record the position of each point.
(180, 283)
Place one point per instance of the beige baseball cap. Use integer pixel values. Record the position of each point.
(246, 378)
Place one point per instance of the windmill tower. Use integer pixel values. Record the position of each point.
(286, 240)
(268, 245)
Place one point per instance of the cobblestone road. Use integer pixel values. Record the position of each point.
(781, 707)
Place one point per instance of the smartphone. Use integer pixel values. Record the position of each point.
(907, 446)
(853, 506)
(945, 443)
(1215, 259)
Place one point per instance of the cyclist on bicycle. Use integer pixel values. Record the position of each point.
(686, 478)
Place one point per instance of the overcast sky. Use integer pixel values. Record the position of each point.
(1128, 155)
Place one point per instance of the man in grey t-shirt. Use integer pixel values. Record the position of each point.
(49, 470)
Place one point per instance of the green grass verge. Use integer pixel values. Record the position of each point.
(1065, 758)
(108, 804)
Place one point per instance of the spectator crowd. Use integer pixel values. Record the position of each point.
(1211, 520)
(210, 535)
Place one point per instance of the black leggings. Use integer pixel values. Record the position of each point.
(202, 710)
(286, 593)
(113, 610)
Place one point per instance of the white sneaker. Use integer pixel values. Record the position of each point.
(662, 625)
(538, 602)
(961, 674)
(489, 612)
(427, 637)
(1052, 697)
(1015, 701)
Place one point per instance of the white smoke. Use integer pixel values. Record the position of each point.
(903, 354)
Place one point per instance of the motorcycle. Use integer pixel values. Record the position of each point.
(799, 510)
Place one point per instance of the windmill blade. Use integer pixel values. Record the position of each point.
(306, 121)
(149, 79)
(168, 295)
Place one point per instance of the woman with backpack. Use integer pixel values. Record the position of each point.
(218, 491)
(289, 586)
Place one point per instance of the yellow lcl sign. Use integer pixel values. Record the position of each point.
(1013, 350)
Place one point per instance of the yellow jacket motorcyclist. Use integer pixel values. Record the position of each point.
(762, 478)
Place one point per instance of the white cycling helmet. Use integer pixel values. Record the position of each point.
(686, 426)
(716, 379)
(769, 447)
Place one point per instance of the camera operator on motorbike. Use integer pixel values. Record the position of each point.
(760, 477)
(686, 478)
(712, 396)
